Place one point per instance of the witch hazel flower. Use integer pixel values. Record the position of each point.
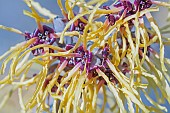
(109, 67)
(45, 37)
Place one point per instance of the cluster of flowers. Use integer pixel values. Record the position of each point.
(128, 7)
(114, 56)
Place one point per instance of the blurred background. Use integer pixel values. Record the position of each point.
(11, 15)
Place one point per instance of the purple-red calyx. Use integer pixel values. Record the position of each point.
(77, 26)
(87, 59)
(128, 7)
(45, 37)
(142, 4)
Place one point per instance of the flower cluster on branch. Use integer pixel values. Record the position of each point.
(92, 64)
